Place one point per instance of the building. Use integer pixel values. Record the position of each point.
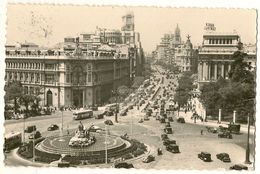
(65, 78)
(216, 55)
(186, 57)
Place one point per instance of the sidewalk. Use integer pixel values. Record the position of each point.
(213, 123)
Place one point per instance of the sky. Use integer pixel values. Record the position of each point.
(49, 24)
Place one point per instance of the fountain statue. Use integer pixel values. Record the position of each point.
(82, 137)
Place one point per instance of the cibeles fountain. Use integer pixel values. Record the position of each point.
(82, 137)
(83, 144)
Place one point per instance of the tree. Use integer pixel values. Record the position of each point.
(13, 91)
(27, 100)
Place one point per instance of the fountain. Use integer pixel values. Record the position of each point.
(82, 137)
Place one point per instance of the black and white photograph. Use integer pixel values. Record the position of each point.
(129, 87)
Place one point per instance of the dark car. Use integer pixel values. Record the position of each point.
(130, 107)
(168, 142)
(238, 167)
(124, 165)
(173, 148)
(108, 122)
(181, 120)
(170, 119)
(164, 137)
(225, 134)
(53, 127)
(148, 159)
(35, 135)
(168, 130)
(30, 129)
(123, 113)
(146, 118)
(162, 120)
(205, 156)
(223, 157)
(234, 128)
(109, 113)
(141, 121)
(168, 124)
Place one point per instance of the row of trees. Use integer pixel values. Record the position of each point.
(14, 95)
(236, 93)
(170, 67)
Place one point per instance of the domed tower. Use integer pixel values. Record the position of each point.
(177, 34)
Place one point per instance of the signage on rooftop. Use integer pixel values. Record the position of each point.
(210, 27)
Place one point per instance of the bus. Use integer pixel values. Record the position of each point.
(12, 140)
(82, 114)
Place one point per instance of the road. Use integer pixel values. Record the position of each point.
(187, 135)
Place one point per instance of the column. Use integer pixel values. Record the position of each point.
(209, 71)
(229, 69)
(204, 71)
(222, 70)
(216, 71)
(234, 116)
(219, 116)
(199, 71)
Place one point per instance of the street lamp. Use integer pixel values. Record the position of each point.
(106, 144)
(115, 93)
(247, 161)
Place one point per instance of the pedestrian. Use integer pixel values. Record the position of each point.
(201, 132)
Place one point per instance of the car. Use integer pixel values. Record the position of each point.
(168, 124)
(123, 165)
(108, 122)
(164, 137)
(130, 107)
(223, 157)
(238, 167)
(146, 118)
(149, 159)
(167, 142)
(94, 108)
(30, 129)
(141, 121)
(168, 130)
(205, 156)
(53, 127)
(162, 120)
(181, 120)
(173, 148)
(109, 113)
(95, 129)
(170, 119)
(123, 113)
(35, 135)
(225, 134)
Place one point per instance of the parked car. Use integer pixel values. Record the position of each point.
(35, 135)
(141, 121)
(108, 122)
(146, 118)
(167, 124)
(238, 167)
(205, 156)
(173, 148)
(170, 119)
(168, 142)
(123, 113)
(164, 137)
(168, 130)
(148, 159)
(124, 165)
(162, 120)
(109, 113)
(130, 107)
(225, 134)
(234, 128)
(53, 127)
(30, 129)
(181, 120)
(223, 157)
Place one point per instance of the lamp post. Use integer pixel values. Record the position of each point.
(115, 93)
(247, 161)
(106, 144)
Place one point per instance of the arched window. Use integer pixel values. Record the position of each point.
(49, 98)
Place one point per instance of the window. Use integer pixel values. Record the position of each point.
(21, 76)
(67, 78)
(49, 78)
(15, 76)
(49, 66)
(26, 76)
(37, 77)
(32, 77)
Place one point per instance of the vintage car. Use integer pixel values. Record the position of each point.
(109, 113)
(141, 121)
(238, 167)
(205, 156)
(148, 159)
(35, 135)
(173, 148)
(108, 122)
(123, 165)
(168, 130)
(181, 120)
(164, 137)
(53, 127)
(168, 124)
(223, 157)
(162, 120)
(225, 134)
(95, 129)
(170, 119)
(167, 142)
(30, 129)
